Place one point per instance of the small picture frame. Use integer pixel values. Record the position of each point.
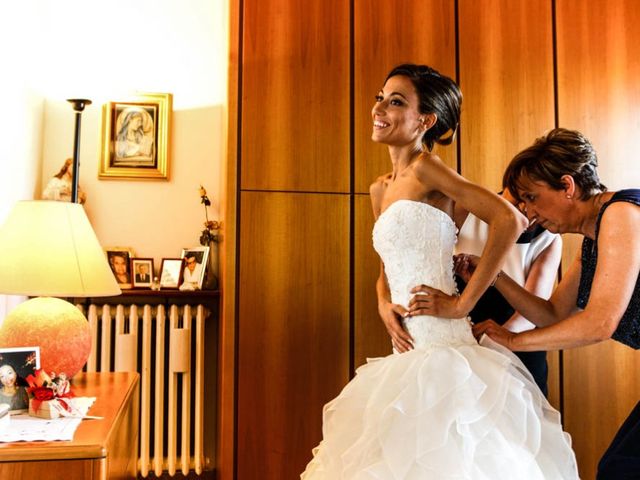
(16, 364)
(171, 273)
(120, 262)
(142, 269)
(135, 137)
(195, 264)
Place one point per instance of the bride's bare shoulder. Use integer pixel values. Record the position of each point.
(430, 160)
(380, 184)
(432, 171)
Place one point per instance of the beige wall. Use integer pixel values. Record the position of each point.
(20, 130)
(115, 50)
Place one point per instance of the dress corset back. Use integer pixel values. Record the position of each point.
(415, 242)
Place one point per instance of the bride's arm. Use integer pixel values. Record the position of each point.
(505, 224)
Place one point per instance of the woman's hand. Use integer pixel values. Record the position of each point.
(496, 332)
(391, 315)
(431, 301)
(464, 265)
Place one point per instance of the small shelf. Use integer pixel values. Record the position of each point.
(168, 292)
(209, 298)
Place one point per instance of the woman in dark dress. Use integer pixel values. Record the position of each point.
(599, 296)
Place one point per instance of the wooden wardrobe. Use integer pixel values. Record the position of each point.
(299, 306)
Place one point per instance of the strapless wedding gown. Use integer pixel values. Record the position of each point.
(449, 408)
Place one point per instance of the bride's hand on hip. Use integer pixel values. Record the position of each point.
(431, 301)
(391, 315)
(496, 332)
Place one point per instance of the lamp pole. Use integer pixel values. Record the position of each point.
(78, 106)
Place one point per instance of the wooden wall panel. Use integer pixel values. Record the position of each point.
(371, 338)
(601, 386)
(226, 383)
(506, 76)
(299, 94)
(599, 94)
(295, 101)
(387, 34)
(554, 381)
(293, 326)
(598, 88)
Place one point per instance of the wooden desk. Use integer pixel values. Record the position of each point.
(100, 449)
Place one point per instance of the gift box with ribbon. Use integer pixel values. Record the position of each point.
(49, 398)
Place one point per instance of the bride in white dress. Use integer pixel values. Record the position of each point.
(446, 408)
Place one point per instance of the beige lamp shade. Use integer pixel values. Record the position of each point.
(48, 248)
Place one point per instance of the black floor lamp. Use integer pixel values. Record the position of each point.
(78, 106)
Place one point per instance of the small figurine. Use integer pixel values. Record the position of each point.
(60, 384)
(59, 187)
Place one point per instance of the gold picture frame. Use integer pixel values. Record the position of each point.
(135, 137)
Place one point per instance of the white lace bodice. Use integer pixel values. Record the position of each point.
(415, 242)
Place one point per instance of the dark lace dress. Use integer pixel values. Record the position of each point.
(621, 461)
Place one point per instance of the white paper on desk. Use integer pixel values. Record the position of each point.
(24, 428)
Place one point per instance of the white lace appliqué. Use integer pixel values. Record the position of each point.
(415, 242)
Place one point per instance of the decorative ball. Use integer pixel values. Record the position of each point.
(56, 326)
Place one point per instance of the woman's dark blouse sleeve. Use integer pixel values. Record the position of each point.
(628, 331)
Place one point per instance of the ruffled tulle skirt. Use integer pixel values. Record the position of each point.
(446, 412)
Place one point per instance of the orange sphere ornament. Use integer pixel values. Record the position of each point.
(56, 326)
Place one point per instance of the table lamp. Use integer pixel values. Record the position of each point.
(48, 249)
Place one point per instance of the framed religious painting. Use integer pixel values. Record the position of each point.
(135, 137)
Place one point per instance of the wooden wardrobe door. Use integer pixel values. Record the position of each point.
(387, 34)
(295, 96)
(371, 338)
(506, 76)
(599, 94)
(293, 348)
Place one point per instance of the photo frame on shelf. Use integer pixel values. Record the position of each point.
(120, 262)
(142, 270)
(16, 364)
(136, 137)
(171, 273)
(195, 266)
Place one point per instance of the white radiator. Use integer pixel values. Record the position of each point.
(131, 338)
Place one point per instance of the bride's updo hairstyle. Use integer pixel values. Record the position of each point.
(437, 94)
(559, 152)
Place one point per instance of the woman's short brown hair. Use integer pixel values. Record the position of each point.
(558, 153)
